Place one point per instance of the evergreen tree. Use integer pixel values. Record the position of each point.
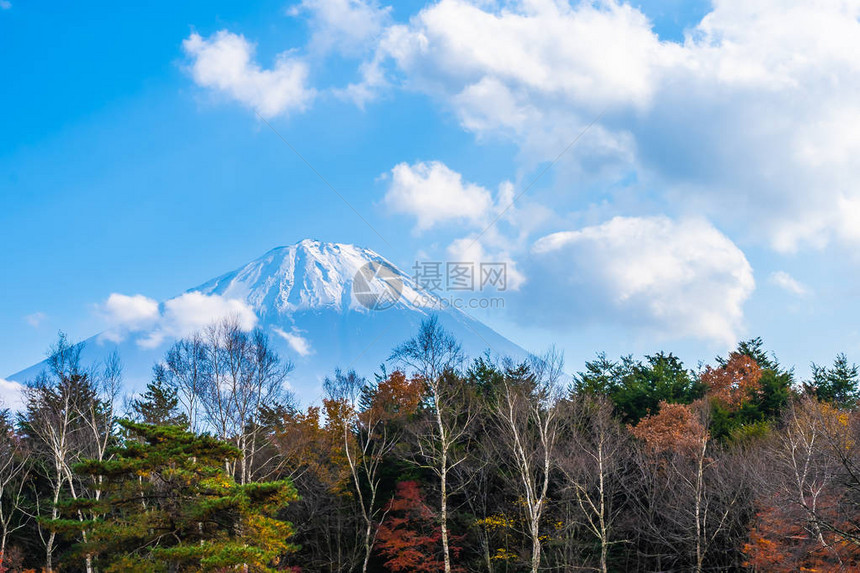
(169, 506)
(775, 382)
(838, 384)
(637, 388)
(159, 405)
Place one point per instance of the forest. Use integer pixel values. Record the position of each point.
(438, 463)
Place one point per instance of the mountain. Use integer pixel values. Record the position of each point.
(324, 305)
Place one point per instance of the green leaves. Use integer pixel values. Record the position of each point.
(169, 505)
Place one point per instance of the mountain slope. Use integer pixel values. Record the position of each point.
(324, 305)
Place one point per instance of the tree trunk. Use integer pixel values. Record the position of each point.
(535, 545)
(444, 514)
(700, 477)
(368, 547)
(604, 536)
(443, 474)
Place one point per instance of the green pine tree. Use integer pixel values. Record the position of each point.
(159, 405)
(837, 384)
(169, 506)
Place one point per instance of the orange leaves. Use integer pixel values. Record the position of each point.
(734, 382)
(783, 540)
(676, 427)
(396, 396)
(307, 444)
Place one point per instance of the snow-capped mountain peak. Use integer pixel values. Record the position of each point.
(325, 305)
(315, 275)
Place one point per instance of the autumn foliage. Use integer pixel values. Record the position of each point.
(410, 538)
(734, 382)
(676, 427)
(783, 540)
(638, 465)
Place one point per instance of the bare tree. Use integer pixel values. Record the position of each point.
(368, 436)
(529, 422)
(99, 414)
(55, 402)
(243, 376)
(434, 355)
(813, 451)
(594, 450)
(14, 475)
(695, 495)
(187, 370)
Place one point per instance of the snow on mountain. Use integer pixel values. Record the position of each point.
(310, 275)
(324, 305)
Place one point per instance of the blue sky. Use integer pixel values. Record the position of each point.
(715, 198)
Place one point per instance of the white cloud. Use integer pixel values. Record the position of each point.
(678, 278)
(434, 194)
(297, 342)
(132, 311)
(347, 26)
(11, 395)
(788, 283)
(193, 311)
(225, 63)
(472, 250)
(753, 115)
(177, 317)
(125, 314)
(36, 319)
(590, 53)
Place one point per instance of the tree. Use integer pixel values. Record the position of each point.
(734, 382)
(159, 405)
(65, 420)
(774, 385)
(434, 354)
(225, 379)
(246, 376)
(170, 506)
(328, 527)
(596, 447)
(409, 537)
(187, 370)
(813, 483)
(734, 390)
(530, 423)
(697, 503)
(837, 384)
(369, 434)
(14, 475)
(636, 388)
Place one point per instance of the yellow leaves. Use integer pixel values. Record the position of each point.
(306, 442)
(503, 554)
(495, 522)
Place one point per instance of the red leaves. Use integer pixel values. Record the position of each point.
(410, 538)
